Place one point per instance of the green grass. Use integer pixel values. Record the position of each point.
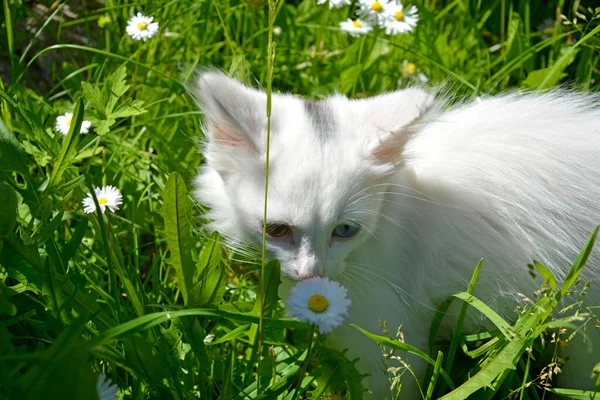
(145, 295)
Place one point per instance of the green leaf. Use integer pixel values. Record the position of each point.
(12, 156)
(504, 360)
(574, 394)
(94, 96)
(118, 86)
(6, 305)
(337, 369)
(398, 345)
(578, 265)
(177, 213)
(8, 216)
(68, 148)
(41, 156)
(500, 323)
(210, 277)
(22, 261)
(240, 331)
(548, 276)
(131, 108)
(269, 294)
(147, 321)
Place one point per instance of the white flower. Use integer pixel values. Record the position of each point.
(400, 20)
(355, 27)
(63, 124)
(423, 78)
(140, 27)
(106, 390)
(319, 301)
(108, 197)
(375, 11)
(334, 3)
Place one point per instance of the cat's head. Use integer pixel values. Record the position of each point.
(329, 162)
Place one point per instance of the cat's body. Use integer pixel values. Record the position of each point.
(431, 191)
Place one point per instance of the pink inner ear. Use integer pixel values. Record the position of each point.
(388, 151)
(224, 136)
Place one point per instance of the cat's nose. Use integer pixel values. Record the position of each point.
(308, 276)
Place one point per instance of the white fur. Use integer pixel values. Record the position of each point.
(509, 179)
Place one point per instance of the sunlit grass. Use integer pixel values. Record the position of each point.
(145, 295)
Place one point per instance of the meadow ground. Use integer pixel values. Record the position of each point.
(142, 295)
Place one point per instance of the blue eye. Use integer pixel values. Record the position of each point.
(345, 231)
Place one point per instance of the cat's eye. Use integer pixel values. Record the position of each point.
(278, 230)
(345, 231)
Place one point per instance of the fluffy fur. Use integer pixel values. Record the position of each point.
(433, 190)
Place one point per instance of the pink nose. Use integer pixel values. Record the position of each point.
(308, 276)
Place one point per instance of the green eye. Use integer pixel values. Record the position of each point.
(345, 231)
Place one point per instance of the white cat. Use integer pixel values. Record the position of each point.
(398, 198)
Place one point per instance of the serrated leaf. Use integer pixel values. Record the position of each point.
(94, 96)
(118, 86)
(104, 126)
(41, 156)
(177, 213)
(131, 108)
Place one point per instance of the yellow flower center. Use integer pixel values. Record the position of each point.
(409, 69)
(142, 26)
(102, 200)
(399, 15)
(356, 24)
(69, 121)
(318, 303)
(376, 6)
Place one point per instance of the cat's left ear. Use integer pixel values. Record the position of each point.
(396, 117)
(234, 114)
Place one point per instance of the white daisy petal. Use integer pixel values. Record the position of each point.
(63, 124)
(320, 302)
(355, 27)
(335, 3)
(375, 11)
(108, 197)
(401, 20)
(140, 27)
(105, 388)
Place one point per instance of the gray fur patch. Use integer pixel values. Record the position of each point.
(321, 117)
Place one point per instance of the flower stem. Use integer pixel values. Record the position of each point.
(270, 61)
(302, 369)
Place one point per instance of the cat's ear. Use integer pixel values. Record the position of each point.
(396, 117)
(234, 114)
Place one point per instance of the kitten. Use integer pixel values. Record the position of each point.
(398, 198)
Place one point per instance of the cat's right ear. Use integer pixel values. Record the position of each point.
(234, 114)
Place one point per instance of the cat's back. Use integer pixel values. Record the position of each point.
(527, 165)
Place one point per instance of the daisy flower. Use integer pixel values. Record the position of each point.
(108, 197)
(408, 68)
(374, 11)
(140, 27)
(63, 124)
(355, 27)
(401, 20)
(334, 3)
(105, 388)
(319, 301)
